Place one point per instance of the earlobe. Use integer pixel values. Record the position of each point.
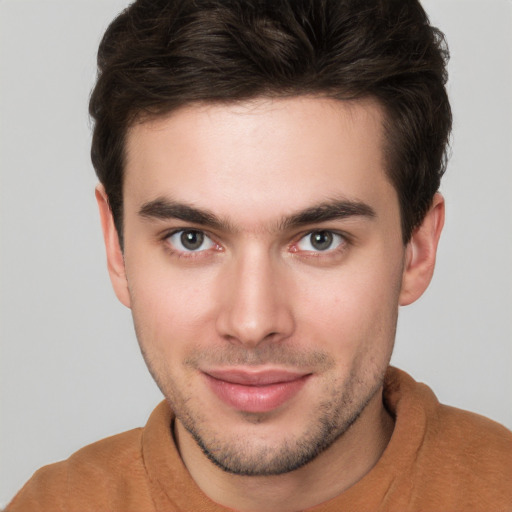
(115, 260)
(421, 253)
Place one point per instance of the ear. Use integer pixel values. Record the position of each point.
(420, 253)
(115, 260)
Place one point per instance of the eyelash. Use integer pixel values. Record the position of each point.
(344, 242)
(190, 253)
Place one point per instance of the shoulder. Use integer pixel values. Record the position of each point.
(468, 461)
(452, 459)
(480, 443)
(94, 474)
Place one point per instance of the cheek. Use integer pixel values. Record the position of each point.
(352, 309)
(169, 308)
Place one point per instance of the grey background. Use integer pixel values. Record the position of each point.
(71, 372)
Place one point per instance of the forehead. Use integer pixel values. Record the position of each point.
(259, 159)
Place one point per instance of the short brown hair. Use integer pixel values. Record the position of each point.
(159, 55)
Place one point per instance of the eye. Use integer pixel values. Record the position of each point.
(320, 241)
(190, 240)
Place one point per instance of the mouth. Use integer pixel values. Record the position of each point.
(255, 391)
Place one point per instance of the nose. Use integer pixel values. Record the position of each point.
(254, 303)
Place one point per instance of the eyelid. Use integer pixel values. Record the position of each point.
(344, 241)
(188, 252)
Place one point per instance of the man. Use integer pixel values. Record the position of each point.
(269, 176)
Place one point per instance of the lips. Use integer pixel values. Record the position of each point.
(255, 391)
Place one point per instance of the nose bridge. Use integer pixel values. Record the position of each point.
(253, 305)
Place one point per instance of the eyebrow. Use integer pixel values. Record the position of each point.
(164, 209)
(329, 210)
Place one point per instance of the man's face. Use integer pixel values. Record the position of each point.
(264, 261)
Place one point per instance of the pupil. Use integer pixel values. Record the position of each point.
(192, 240)
(321, 240)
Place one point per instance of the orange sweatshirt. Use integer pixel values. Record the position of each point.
(438, 459)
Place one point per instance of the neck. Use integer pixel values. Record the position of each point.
(336, 469)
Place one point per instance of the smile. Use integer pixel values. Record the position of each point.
(255, 392)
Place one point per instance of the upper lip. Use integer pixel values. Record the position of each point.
(255, 377)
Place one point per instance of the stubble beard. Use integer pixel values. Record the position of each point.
(241, 455)
(236, 457)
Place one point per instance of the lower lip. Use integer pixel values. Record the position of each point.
(256, 399)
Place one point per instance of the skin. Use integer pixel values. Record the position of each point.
(258, 296)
